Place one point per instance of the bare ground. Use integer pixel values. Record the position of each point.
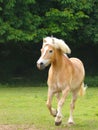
(25, 127)
(18, 127)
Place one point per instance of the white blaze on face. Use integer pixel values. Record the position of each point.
(43, 59)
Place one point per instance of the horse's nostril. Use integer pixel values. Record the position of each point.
(41, 63)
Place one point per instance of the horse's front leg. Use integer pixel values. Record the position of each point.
(49, 103)
(58, 96)
(58, 118)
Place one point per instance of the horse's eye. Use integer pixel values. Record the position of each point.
(50, 51)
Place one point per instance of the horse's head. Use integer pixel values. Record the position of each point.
(50, 44)
(47, 53)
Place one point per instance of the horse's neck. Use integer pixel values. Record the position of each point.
(58, 62)
(61, 61)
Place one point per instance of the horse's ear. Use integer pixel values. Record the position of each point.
(51, 36)
(44, 40)
(53, 41)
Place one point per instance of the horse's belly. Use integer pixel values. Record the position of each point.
(57, 86)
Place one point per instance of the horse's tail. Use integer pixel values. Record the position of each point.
(82, 89)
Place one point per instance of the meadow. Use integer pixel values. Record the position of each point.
(24, 108)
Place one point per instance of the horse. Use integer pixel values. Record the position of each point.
(65, 75)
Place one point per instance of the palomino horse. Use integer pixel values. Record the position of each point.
(65, 75)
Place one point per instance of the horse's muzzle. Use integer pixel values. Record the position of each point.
(41, 66)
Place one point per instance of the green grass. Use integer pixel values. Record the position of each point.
(26, 105)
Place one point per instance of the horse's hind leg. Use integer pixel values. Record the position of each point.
(72, 106)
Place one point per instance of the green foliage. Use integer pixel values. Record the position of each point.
(91, 27)
(64, 22)
(28, 20)
(91, 81)
(17, 21)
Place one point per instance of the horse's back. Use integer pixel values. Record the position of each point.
(77, 63)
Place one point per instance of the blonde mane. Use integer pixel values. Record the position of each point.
(57, 43)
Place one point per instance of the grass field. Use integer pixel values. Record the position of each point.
(23, 108)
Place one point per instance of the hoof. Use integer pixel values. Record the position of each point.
(70, 123)
(54, 115)
(58, 123)
(54, 112)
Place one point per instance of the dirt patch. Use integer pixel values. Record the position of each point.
(18, 127)
(28, 127)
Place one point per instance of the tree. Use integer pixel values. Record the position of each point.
(74, 20)
(28, 21)
(71, 20)
(17, 22)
